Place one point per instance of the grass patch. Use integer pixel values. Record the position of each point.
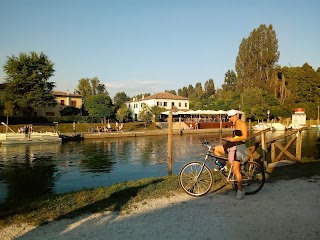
(119, 197)
(41, 210)
(306, 168)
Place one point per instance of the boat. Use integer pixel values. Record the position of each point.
(261, 126)
(33, 137)
(278, 126)
(76, 137)
(26, 138)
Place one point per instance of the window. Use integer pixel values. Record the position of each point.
(179, 104)
(186, 104)
(49, 114)
(172, 104)
(73, 103)
(159, 104)
(164, 104)
(62, 102)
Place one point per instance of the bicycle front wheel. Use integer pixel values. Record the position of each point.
(253, 177)
(195, 178)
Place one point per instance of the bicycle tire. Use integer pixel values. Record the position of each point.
(192, 181)
(256, 180)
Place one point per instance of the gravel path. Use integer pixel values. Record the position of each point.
(281, 210)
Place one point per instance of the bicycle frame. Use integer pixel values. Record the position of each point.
(210, 157)
(196, 177)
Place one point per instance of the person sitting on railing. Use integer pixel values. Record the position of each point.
(240, 134)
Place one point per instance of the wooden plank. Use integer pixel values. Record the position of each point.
(284, 150)
(273, 152)
(298, 145)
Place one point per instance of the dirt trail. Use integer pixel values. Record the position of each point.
(281, 210)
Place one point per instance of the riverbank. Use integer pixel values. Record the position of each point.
(142, 133)
(217, 215)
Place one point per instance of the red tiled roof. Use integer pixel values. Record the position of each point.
(165, 95)
(64, 94)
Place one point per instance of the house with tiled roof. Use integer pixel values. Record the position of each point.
(63, 99)
(166, 100)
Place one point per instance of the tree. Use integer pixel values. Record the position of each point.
(209, 88)
(171, 91)
(141, 96)
(183, 92)
(27, 82)
(90, 86)
(145, 114)
(230, 81)
(123, 113)
(70, 111)
(99, 105)
(257, 58)
(156, 110)
(120, 98)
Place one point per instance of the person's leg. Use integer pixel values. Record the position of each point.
(236, 170)
(219, 150)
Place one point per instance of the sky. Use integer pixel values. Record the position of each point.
(149, 46)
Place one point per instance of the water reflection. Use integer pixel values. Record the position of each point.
(28, 170)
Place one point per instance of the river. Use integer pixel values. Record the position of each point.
(37, 169)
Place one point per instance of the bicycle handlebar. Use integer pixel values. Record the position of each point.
(206, 143)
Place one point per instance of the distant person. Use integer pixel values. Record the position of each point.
(26, 132)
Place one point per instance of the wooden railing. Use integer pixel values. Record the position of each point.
(272, 144)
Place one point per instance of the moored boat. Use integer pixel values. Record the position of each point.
(32, 137)
(27, 136)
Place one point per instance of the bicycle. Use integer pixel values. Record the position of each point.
(196, 178)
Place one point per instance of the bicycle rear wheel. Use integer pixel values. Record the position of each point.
(253, 177)
(195, 179)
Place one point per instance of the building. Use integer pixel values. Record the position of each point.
(63, 99)
(166, 100)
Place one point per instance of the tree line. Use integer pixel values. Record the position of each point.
(259, 83)
(256, 85)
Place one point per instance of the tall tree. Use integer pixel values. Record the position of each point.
(257, 58)
(183, 92)
(303, 83)
(209, 88)
(230, 81)
(120, 98)
(190, 90)
(27, 82)
(90, 86)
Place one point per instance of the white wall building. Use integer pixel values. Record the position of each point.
(166, 100)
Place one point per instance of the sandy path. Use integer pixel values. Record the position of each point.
(281, 210)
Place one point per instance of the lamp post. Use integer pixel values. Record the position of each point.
(268, 112)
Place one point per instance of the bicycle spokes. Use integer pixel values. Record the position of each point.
(195, 178)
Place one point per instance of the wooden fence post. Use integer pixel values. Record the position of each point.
(298, 145)
(273, 152)
(264, 148)
(170, 129)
